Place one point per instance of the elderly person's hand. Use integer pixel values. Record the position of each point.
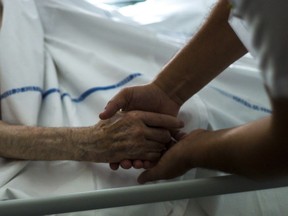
(129, 135)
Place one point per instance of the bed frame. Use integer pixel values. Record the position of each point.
(133, 195)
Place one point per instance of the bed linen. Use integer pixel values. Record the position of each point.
(61, 63)
(62, 60)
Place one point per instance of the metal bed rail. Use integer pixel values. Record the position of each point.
(108, 198)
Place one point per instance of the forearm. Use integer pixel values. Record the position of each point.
(253, 150)
(208, 53)
(39, 143)
(127, 135)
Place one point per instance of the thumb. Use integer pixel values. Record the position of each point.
(149, 175)
(170, 165)
(113, 106)
(118, 102)
(109, 111)
(158, 172)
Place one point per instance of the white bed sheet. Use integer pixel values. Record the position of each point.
(43, 84)
(111, 45)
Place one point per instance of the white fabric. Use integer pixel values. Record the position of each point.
(170, 18)
(267, 24)
(240, 28)
(53, 51)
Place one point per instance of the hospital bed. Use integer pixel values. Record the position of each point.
(207, 188)
(110, 198)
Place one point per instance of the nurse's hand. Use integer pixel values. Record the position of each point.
(147, 98)
(129, 135)
(177, 160)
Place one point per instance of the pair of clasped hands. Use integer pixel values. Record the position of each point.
(159, 112)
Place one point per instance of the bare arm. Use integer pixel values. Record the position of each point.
(242, 150)
(208, 53)
(257, 149)
(107, 141)
(39, 143)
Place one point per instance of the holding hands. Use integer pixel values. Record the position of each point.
(180, 158)
(147, 98)
(151, 98)
(211, 50)
(134, 135)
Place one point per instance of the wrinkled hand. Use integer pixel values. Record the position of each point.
(139, 164)
(131, 135)
(177, 160)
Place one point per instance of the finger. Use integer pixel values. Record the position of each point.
(178, 135)
(138, 164)
(171, 144)
(152, 174)
(161, 120)
(126, 164)
(111, 108)
(164, 169)
(155, 173)
(157, 135)
(151, 150)
(117, 103)
(114, 166)
(148, 164)
(150, 156)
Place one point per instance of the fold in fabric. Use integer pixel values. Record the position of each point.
(60, 64)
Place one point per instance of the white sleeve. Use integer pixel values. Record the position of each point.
(267, 22)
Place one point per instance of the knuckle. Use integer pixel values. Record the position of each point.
(135, 114)
(132, 115)
(134, 152)
(138, 133)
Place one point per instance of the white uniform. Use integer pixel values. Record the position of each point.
(267, 24)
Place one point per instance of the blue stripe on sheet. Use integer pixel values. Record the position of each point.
(242, 101)
(82, 97)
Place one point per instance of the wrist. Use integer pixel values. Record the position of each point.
(89, 144)
(208, 150)
(36, 143)
(170, 89)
